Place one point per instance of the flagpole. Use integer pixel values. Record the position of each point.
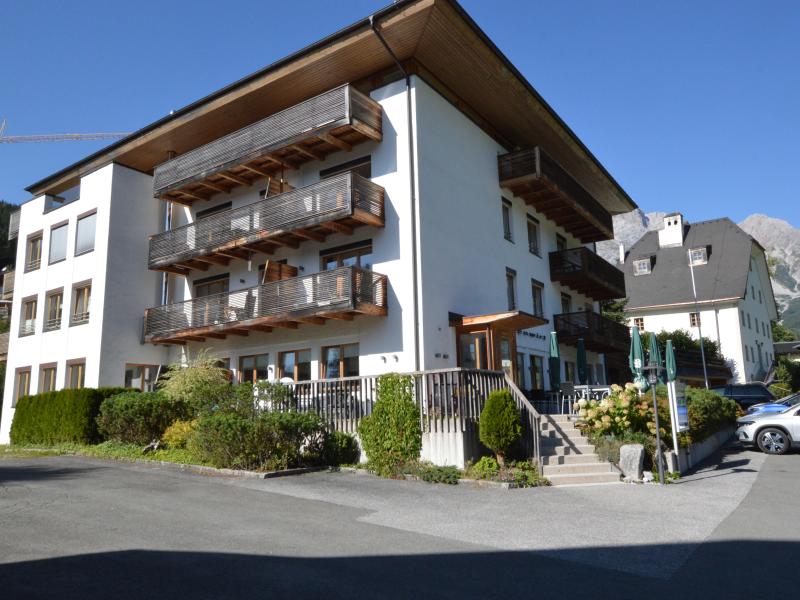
(697, 312)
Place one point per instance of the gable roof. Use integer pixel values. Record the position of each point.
(724, 277)
(434, 39)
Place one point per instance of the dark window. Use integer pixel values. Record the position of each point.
(507, 227)
(511, 288)
(76, 373)
(533, 235)
(694, 319)
(201, 214)
(47, 378)
(561, 242)
(33, 252)
(22, 384)
(360, 166)
(537, 372)
(566, 303)
(340, 361)
(27, 321)
(53, 306)
(211, 285)
(81, 296)
(537, 289)
(253, 368)
(352, 255)
(295, 364)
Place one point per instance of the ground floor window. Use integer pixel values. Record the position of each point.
(76, 372)
(569, 372)
(295, 364)
(253, 368)
(537, 372)
(141, 377)
(47, 378)
(519, 375)
(22, 384)
(340, 361)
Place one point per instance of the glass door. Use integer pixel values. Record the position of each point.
(473, 350)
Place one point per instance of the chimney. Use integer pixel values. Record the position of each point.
(672, 233)
(621, 253)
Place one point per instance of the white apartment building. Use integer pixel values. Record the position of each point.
(364, 206)
(734, 305)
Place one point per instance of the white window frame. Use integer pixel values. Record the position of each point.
(641, 267)
(696, 260)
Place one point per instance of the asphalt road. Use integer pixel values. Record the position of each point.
(77, 528)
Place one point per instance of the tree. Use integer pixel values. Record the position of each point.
(682, 340)
(500, 426)
(781, 333)
(614, 310)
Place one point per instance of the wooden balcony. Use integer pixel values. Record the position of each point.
(13, 224)
(599, 333)
(587, 273)
(538, 179)
(336, 120)
(337, 294)
(337, 204)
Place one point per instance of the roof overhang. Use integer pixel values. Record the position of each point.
(434, 38)
(514, 320)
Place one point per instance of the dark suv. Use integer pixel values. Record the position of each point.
(746, 394)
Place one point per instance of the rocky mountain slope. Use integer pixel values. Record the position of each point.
(779, 239)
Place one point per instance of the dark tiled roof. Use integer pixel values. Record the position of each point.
(782, 348)
(725, 275)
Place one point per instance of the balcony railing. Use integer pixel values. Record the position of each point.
(79, 318)
(8, 285)
(307, 131)
(52, 324)
(13, 225)
(27, 327)
(599, 333)
(538, 179)
(587, 273)
(335, 294)
(338, 203)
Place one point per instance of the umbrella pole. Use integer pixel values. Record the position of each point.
(659, 454)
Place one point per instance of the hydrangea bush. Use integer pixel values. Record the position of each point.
(621, 411)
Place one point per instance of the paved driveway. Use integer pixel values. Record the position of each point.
(77, 528)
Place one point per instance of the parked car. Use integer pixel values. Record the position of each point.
(777, 406)
(746, 394)
(773, 433)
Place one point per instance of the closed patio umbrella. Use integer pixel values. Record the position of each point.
(636, 360)
(655, 355)
(582, 368)
(555, 363)
(672, 366)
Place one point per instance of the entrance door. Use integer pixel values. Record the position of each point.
(473, 350)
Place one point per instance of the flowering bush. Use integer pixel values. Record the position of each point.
(623, 410)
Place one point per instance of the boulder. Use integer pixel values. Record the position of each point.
(631, 461)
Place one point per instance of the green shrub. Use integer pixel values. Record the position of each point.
(177, 435)
(607, 447)
(59, 417)
(341, 449)
(201, 384)
(391, 435)
(138, 417)
(500, 426)
(708, 413)
(275, 396)
(524, 474)
(270, 441)
(436, 474)
(486, 468)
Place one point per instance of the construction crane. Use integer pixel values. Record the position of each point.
(57, 137)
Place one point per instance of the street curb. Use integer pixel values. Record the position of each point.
(501, 485)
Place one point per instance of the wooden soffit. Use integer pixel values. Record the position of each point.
(514, 320)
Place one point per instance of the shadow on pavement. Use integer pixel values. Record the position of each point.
(728, 460)
(198, 575)
(10, 474)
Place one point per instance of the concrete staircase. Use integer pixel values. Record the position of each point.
(568, 457)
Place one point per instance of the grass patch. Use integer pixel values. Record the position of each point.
(107, 450)
(25, 452)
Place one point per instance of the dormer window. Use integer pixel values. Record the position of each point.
(698, 256)
(641, 267)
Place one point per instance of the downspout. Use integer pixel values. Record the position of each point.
(413, 190)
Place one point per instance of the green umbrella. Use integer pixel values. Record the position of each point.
(672, 367)
(636, 360)
(555, 363)
(655, 355)
(582, 370)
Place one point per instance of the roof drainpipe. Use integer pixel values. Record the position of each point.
(413, 189)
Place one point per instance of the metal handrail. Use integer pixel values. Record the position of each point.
(334, 198)
(532, 422)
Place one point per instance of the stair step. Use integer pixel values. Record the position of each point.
(567, 433)
(577, 468)
(569, 459)
(565, 450)
(583, 478)
(558, 418)
(564, 441)
(565, 428)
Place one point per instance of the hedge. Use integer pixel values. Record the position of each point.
(136, 417)
(59, 417)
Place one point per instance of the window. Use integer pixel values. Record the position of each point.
(533, 236)
(211, 285)
(27, 322)
(253, 368)
(353, 255)
(638, 322)
(537, 290)
(47, 378)
(760, 297)
(694, 319)
(749, 323)
(743, 320)
(53, 303)
(53, 201)
(561, 243)
(81, 296)
(511, 288)
(537, 372)
(58, 243)
(76, 372)
(506, 210)
(756, 322)
(519, 375)
(33, 252)
(360, 166)
(207, 212)
(141, 377)
(753, 291)
(641, 267)
(84, 237)
(22, 384)
(566, 303)
(569, 372)
(295, 364)
(698, 256)
(340, 361)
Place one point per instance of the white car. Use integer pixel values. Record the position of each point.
(773, 433)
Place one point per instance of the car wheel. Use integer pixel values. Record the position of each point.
(773, 441)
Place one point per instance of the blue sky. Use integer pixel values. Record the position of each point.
(692, 106)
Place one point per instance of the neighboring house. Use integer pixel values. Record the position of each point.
(735, 304)
(790, 350)
(298, 225)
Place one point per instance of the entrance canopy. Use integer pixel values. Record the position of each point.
(514, 320)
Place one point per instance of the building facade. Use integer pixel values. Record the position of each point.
(397, 219)
(734, 304)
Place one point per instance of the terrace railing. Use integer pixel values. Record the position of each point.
(342, 290)
(337, 197)
(588, 273)
(338, 107)
(598, 332)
